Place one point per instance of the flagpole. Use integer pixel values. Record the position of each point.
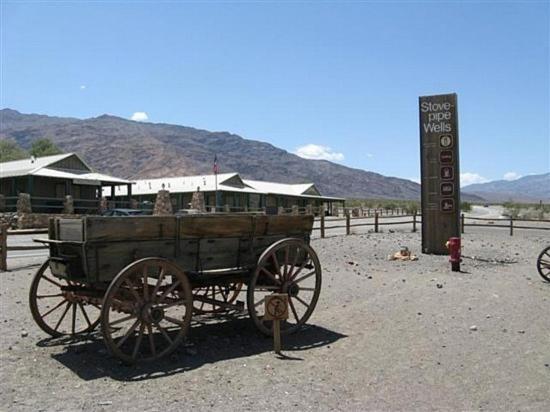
(216, 179)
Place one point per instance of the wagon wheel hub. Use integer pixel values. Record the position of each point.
(151, 314)
(291, 288)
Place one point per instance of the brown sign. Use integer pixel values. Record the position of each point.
(439, 171)
(276, 307)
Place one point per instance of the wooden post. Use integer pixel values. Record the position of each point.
(511, 226)
(376, 222)
(414, 222)
(348, 226)
(277, 336)
(322, 225)
(3, 248)
(462, 223)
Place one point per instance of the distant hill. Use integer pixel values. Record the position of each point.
(130, 149)
(530, 188)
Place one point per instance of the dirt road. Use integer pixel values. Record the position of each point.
(385, 336)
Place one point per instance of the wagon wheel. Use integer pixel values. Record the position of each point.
(225, 293)
(543, 264)
(288, 266)
(147, 310)
(57, 310)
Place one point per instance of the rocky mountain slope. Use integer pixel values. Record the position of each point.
(530, 188)
(135, 150)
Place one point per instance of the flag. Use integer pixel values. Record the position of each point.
(216, 168)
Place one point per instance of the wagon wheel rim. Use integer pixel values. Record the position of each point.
(146, 311)
(58, 311)
(223, 293)
(543, 264)
(281, 270)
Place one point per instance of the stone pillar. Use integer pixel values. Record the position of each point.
(295, 210)
(163, 205)
(309, 210)
(103, 205)
(280, 210)
(68, 205)
(134, 204)
(197, 201)
(226, 208)
(24, 203)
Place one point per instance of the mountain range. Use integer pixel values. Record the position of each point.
(531, 188)
(137, 150)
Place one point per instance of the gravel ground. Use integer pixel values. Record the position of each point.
(385, 336)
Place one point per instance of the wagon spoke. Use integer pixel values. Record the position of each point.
(49, 296)
(163, 332)
(63, 315)
(138, 341)
(85, 314)
(291, 271)
(168, 291)
(276, 261)
(303, 265)
(271, 275)
(121, 320)
(285, 270)
(301, 301)
(151, 339)
(73, 325)
(305, 277)
(293, 308)
(159, 282)
(173, 303)
(259, 302)
(51, 281)
(132, 289)
(266, 288)
(545, 262)
(145, 284)
(54, 308)
(128, 333)
(175, 321)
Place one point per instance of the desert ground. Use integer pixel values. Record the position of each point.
(385, 336)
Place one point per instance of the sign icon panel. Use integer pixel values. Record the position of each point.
(447, 189)
(446, 141)
(446, 156)
(447, 172)
(447, 205)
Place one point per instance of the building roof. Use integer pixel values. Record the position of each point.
(45, 166)
(227, 182)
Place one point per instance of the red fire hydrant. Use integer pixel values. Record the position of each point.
(453, 245)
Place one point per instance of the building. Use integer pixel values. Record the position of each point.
(229, 190)
(49, 179)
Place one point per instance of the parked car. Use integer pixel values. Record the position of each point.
(124, 212)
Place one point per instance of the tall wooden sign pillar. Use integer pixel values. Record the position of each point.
(440, 173)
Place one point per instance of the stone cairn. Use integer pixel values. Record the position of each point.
(24, 203)
(103, 205)
(197, 201)
(163, 204)
(68, 205)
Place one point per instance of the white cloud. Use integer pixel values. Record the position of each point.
(139, 117)
(511, 176)
(471, 178)
(415, 179)
(82, 87)
(315, 151)
(370, 155)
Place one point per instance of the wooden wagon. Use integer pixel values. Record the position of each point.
(142, 278)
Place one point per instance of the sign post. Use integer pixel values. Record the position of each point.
(440, 173)
(276, 309)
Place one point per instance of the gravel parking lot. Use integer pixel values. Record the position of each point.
(385, 336)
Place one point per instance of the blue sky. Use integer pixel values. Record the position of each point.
(339, 80)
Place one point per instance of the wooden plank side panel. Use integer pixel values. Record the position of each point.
(283, 225)
(218, 254)
(70, 229)
(130, 228)
(216, 226)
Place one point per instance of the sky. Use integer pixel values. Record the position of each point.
(334, 80)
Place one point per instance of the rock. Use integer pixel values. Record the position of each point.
(521, 331)
(439, 285)
(105, 403)
(473, 327)
(24, 334)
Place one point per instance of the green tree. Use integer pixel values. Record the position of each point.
(466, 207)
(44, 147)
(10, 150)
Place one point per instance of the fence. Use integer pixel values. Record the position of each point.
(415, 219)
(4, 248)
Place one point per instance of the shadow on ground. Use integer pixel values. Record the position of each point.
(208, 342)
